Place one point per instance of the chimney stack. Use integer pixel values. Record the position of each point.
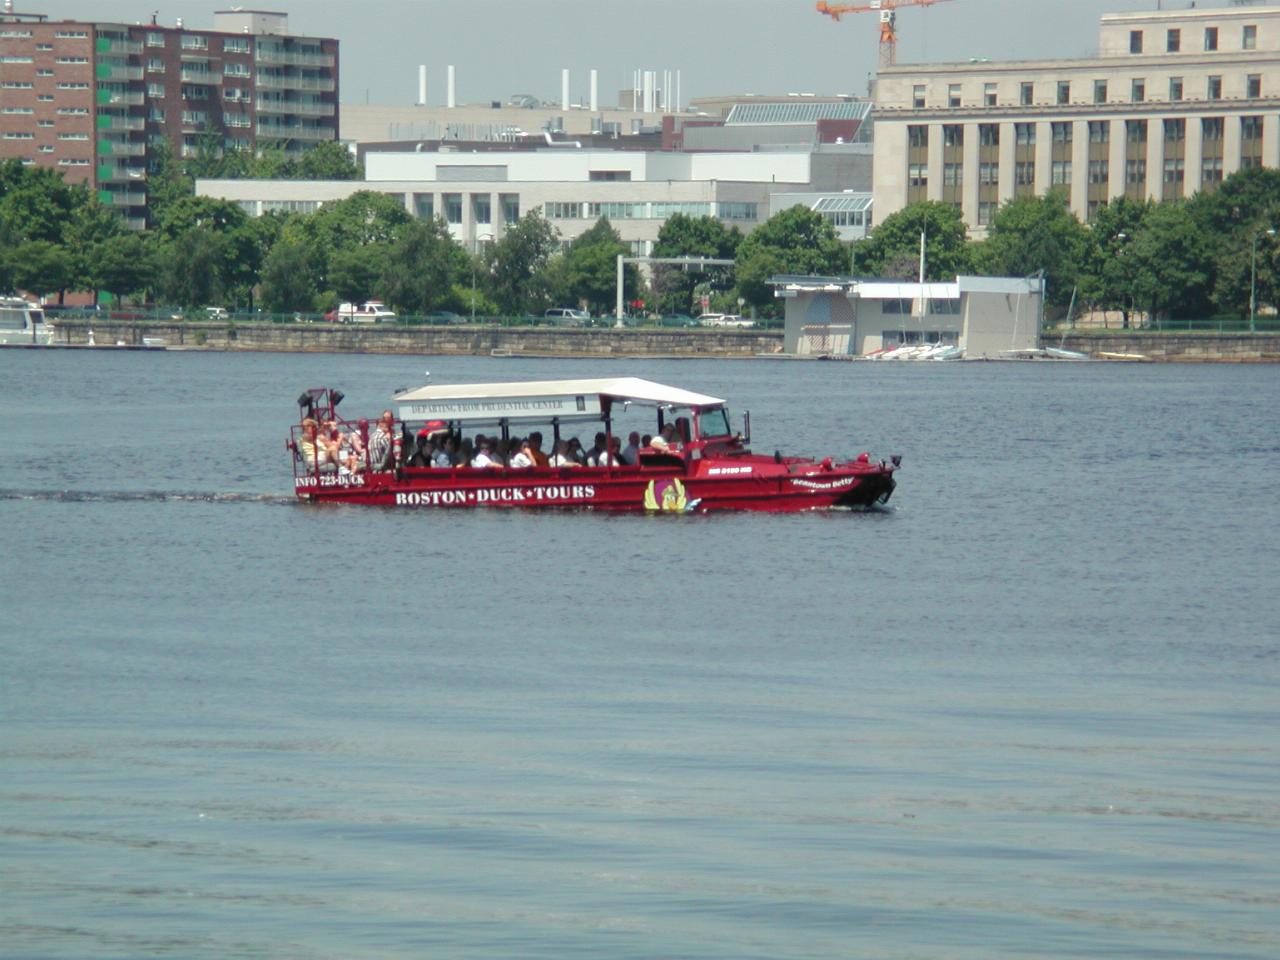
(451, 100)
(422, 84)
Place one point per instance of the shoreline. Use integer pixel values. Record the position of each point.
(597, 342)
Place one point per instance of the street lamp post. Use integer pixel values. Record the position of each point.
(1253, 278)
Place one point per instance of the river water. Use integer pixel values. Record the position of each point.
(1028, 710)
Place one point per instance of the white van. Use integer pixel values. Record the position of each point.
(371, 311)
(567, 317)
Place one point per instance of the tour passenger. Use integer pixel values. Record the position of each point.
(561, 458)
(611, 457)
(382, 449)
(465, 454)
(666, 440)
(443, 457)
(307, 447)
(631, 453)
(484, 454)
(522, 459)
(575, 452)
(597, 449)
(540, 459)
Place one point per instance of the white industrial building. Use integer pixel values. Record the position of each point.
(478, 193)
(851, 316)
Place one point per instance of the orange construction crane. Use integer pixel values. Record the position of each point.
(886, 8)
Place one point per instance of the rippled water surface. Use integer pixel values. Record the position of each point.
(1030, 710)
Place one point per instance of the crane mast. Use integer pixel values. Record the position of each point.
(888, 19)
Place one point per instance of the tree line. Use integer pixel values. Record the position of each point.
(1184, 258)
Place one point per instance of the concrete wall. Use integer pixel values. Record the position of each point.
(456, 340)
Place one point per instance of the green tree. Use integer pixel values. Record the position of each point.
(1108, 282)
(591, 268)
(517, 264)
(35, 202)
(422, 266)
(238, 239)
(795, 241)
(41, 267)
(685, 236)
(290, 278)
(328, 160)
(191, 270)
(166, 181)
(1171, 263)
(892, 250)
(1033, 234)
(355, 273)
(120, 264)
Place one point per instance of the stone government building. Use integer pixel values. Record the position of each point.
(1174, 102)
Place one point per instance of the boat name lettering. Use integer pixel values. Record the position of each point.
(330, 480)
(499, 407)
(726, 471)
(829, 485)
(451, 498)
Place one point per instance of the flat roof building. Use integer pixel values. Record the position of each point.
(91, 99)
(1174, 102)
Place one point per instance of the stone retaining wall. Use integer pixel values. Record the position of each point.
(464, 340)
(1185, 347)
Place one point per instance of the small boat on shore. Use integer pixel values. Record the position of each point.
(692, 462)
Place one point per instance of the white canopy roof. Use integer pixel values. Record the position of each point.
(540, 399)
(620, 388)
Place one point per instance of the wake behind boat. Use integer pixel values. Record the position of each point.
(474, 445)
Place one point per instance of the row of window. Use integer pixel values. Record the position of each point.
(1173, 39)
(941, 307)
(1101, 91)
(1062, 132)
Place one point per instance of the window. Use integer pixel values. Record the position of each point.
(988, 174)
(16, 85)
(1135, 41)
(953, 95)
(1062, 131)
(73, 111)
(1024, 173)
(953, 135)
(194, 92)
(1253, 86)
(918, 175)
(1064, 91)
(155, 90)
(155, 65)
(989, 94)
(1175, 129)
(1060, 173)
(44, 47)
(11, 135)
(1099, 171)
(1249, 37)
(1099, 91)
(1250, 128)
(1214, 88)
(1173, 41)
(45, 148)
(989, 134)
(1211, 128)
(1135, 131)
(1211, 170)
(71, 35)
(190, 42)
(1174, 170)
(510, 207)
(917, 135)
(917, 96)
(72, 60)
(481, 211)
(1024, 134)
(1175, 88)
(21, 60)
(986, 210)
(1027, 93)
(155, 39)
(235, 45)
(73, 136)
(1211, 38)
(235, 70)
(1135, 171)
(453, 207)
(901, 307)
(952, 174)
(1099, 131)
(1138, 90)
(193, 118)
(73, 86)
(16, 110)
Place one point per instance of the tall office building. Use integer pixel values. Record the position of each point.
(92, 99)
(1174, 102)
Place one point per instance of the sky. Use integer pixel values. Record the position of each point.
(502, 47)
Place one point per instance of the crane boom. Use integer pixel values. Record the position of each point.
(888, 17)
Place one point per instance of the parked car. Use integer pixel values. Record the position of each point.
(216, 313)
(371, 311)
(678, 320)
(445, 316)
(567, 316)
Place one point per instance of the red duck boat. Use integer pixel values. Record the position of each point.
(482, 445)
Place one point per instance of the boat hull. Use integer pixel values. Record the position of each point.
(711, 487)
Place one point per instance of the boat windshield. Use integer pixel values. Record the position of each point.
(713, 423)
(12, 318)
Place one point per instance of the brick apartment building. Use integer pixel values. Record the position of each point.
(91, 99)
